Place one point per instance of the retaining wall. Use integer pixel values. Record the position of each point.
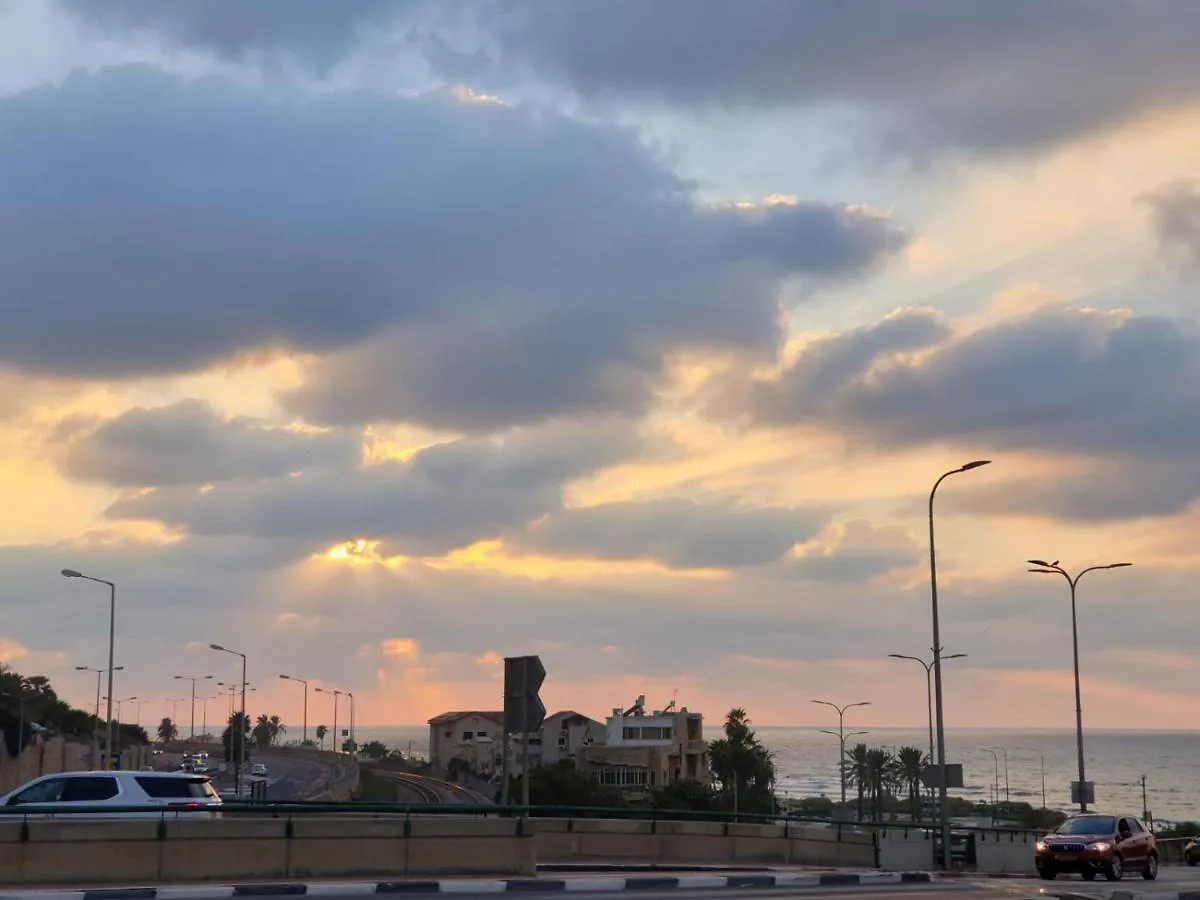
(62, 852)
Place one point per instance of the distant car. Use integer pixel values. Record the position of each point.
(1091, 844)
(200, 767)
(158, 792)
(157, 751)
(1191, 851)
(258, 769)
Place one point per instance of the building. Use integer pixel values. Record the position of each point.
(471, 736)
(475, 738)
(642, 751)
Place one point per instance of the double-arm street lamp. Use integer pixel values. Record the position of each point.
(928, 667)
(841, 735)
(304, 682)
(939, 710)
(120, 701)
(193, 680)
(98, 672)
(112, 633)
(336, 694)
(240, 731)
(1052, 568)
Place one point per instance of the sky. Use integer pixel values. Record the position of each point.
(383, 339)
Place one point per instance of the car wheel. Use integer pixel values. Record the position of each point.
(1047, 874)
(1150, 870)
(1115, 870)
(1192, 859)
(1088, 874)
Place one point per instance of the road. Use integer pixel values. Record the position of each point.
(288, 777)
(1171, 880)
(412, 788)
(901, 892)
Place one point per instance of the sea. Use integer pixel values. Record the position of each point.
(806, 764)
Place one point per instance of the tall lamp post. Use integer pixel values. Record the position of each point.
(240, 731)
(928, 667)
(336, 694)
(1004, 752)
(995, 782)
(353, 743)
(939, 709)
(112, 634)
(96, 728)
(1048, 568)
(193, 680)
(204, 712)
(302, 681)
(841, 736)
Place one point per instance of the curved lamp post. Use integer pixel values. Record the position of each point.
(939, 709)
(1048, 568)
(112, 634)
(241, 731)
(841, 736)
(193, 680)
(304, 682)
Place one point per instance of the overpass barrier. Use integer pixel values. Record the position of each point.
(45, 851)
(667, 841)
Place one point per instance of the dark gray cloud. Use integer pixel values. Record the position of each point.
(927, 73)
(445, 497)
(188, 443)
(1176, 217)
(529, 264)
(1069, 380)
(681, 534)
(924, 73)
(314, 32)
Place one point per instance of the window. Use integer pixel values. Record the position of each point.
(89, 789)
(623, 776)
(48, 791)
(481, 734)
(630, 734)
(176, 788)
(467, 735)
(1135, 826)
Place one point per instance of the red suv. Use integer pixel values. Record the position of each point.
(1089, 844)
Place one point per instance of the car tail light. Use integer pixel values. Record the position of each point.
(188, 805)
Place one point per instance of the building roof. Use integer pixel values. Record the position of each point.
(570, 714)
(449, 718)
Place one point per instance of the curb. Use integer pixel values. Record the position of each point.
(975, 876)
(460, 886)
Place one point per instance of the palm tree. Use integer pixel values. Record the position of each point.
(321, 732)
(278, 729)
(911, 762)
(167, 731)
(743, 766)
(882, 779)
(858, 772)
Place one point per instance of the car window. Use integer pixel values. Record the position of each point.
(48, 791)
(1135, 826)
(176, 788)
(1088, 825)
(89, 789)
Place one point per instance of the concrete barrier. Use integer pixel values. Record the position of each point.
(63, 852)
(996, 852)
(610, 840)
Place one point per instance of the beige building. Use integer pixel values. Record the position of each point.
(642, 751)
(475, 737)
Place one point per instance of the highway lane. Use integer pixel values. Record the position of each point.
(963, 891)
(1171, 880)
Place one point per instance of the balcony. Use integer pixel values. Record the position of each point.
(695, 746)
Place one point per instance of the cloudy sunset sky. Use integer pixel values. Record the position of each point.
(382, 339)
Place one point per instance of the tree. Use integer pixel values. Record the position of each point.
(686, 793)
(267, 730)
(375, 750)
(911, 762)
(278, 729)
(321, 732)
(167, 731)
(560, 784)
(237, 723)
(858, 772)
(743, 766)
(35, 697)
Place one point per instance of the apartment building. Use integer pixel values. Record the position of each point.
(642, 751)
(476, 738)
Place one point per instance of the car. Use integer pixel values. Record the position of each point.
(1191, 851)
(158, 792)
(1091, 844)
(200, 767)
(259, 769)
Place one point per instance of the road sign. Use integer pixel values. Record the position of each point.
(1089, 792)
(931, 778)
(523, 708)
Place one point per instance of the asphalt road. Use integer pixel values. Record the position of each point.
(902, 892)
(1171, 879)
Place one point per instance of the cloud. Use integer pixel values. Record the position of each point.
(990, 77)
(1064, 380)
(679, 533)
(922, 76)
(855, 551)
(496, 264)
(189, 443)
(1176, 219)
(445, 497)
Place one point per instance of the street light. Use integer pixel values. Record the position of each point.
(112, 634)
(96, 729)
(939, 710)
(304, 740)
(204, 713)
(137, 715)
(336, 694)
(353, 743)
(1048, 568)
(193, 680)
(1004, 751)
(928, 666)
(241, 730)
(995, 782)
(119, 702)
(841, 736)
